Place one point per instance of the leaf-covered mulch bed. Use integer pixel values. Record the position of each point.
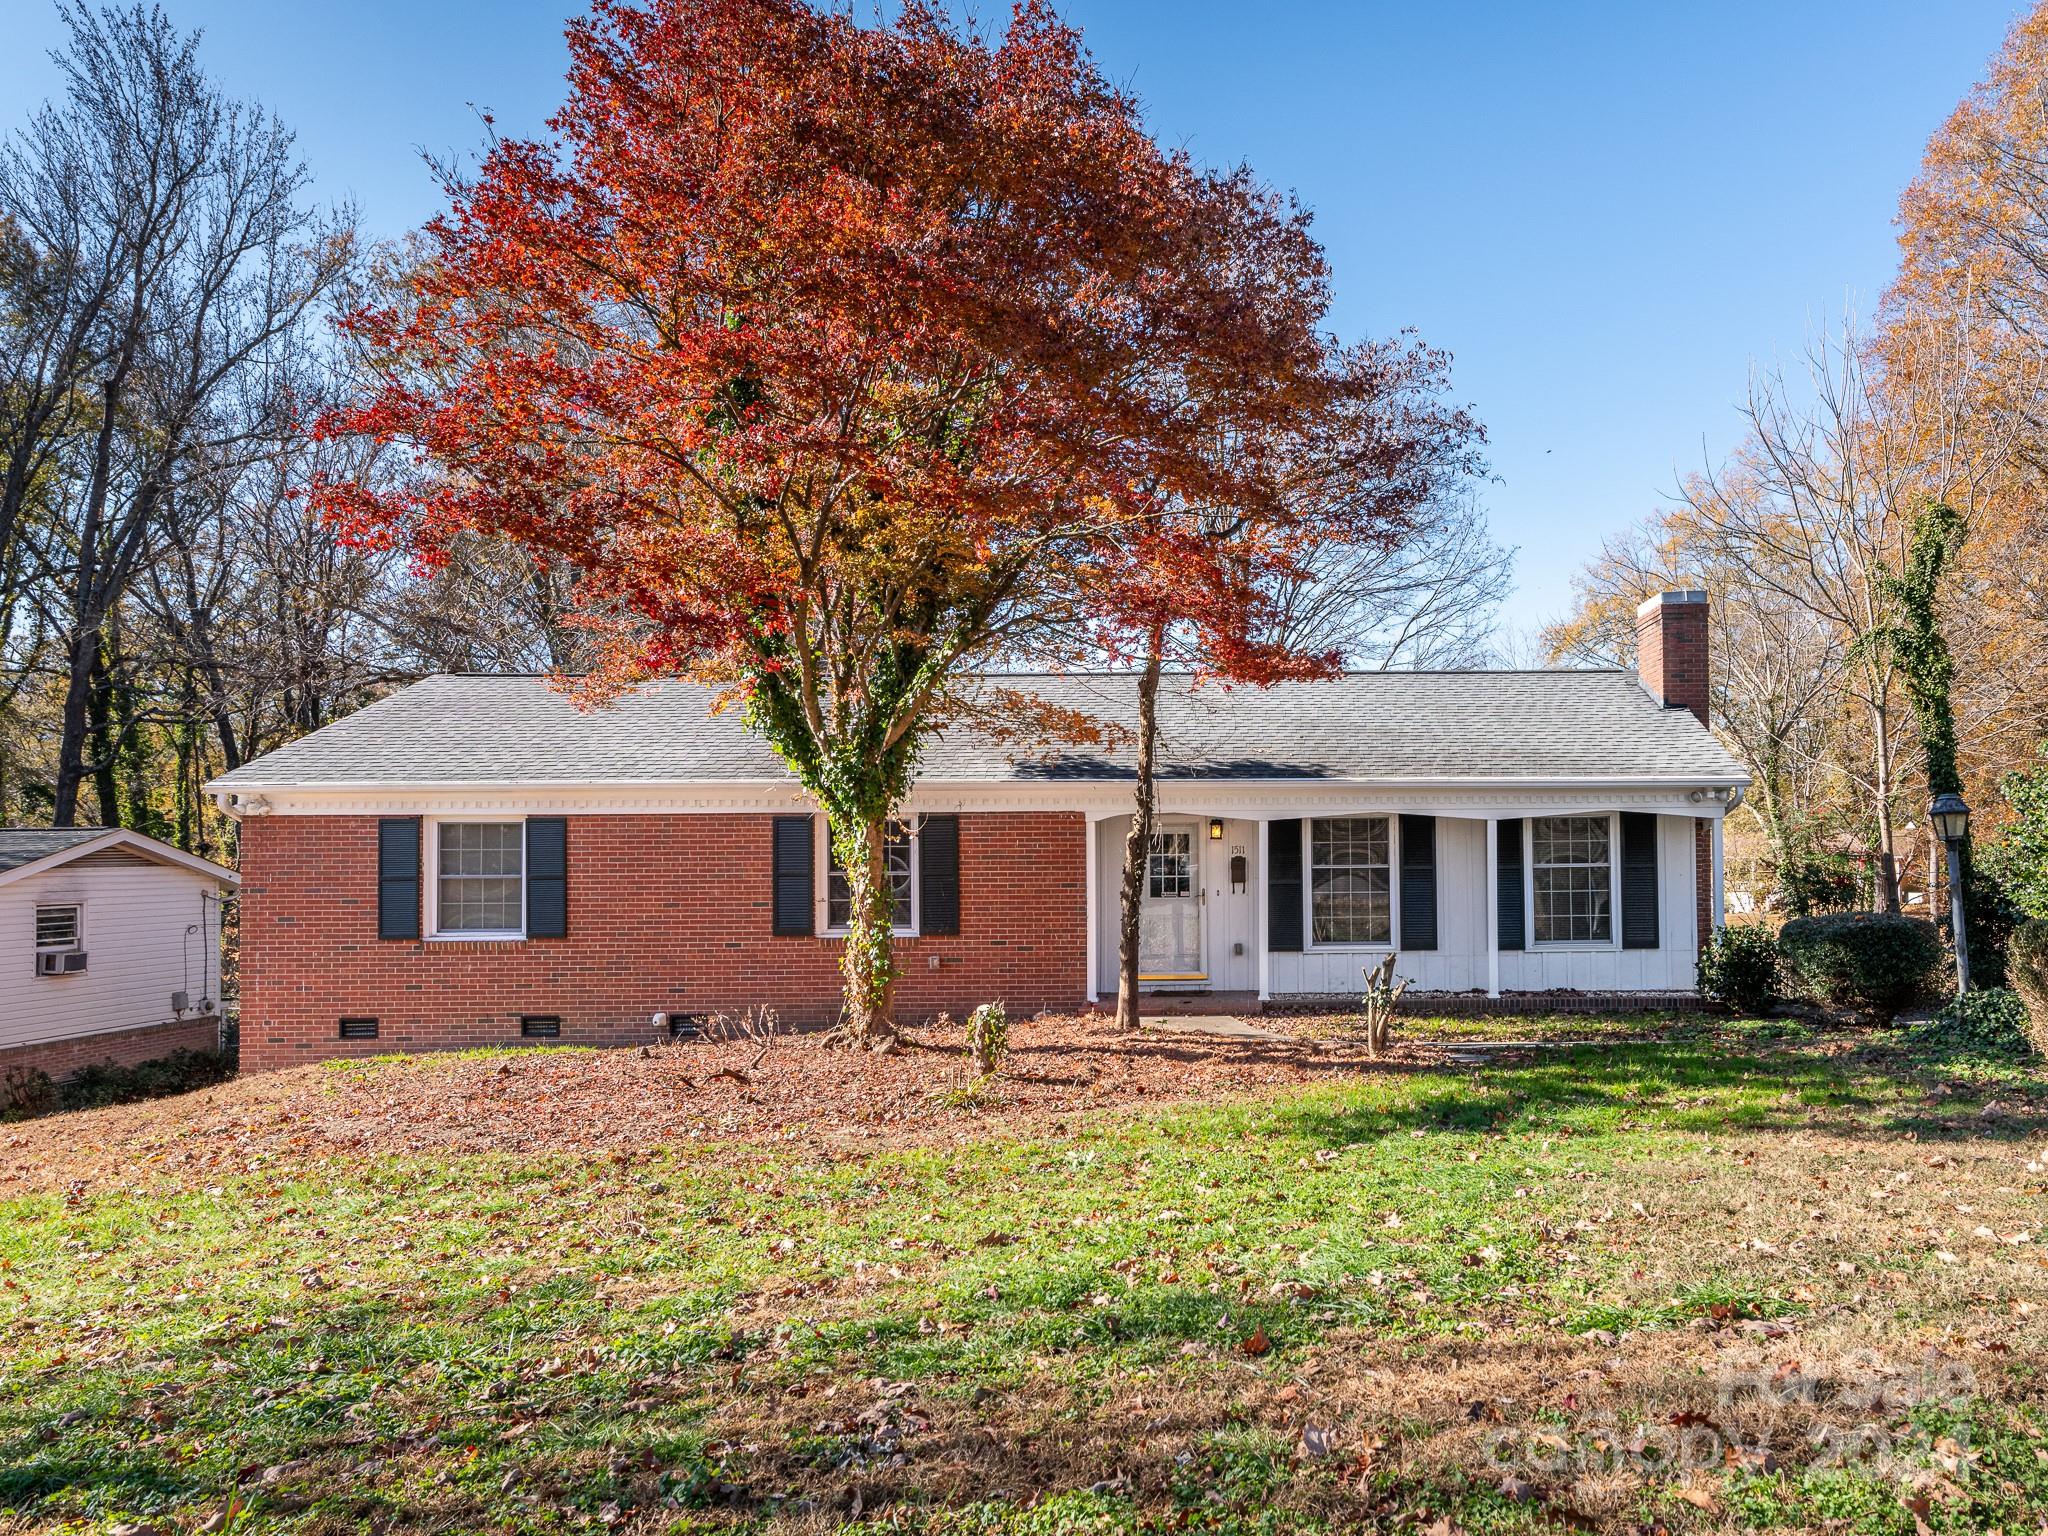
(571, 1100)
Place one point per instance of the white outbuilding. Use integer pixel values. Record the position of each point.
(110, 949)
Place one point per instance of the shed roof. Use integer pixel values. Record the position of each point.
(26, 852)
(24, 845)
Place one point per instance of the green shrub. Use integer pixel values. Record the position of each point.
(988, 1038)
(26, 1092)
(1872, 962)
(24, 1095)
(2020, 855)
(2026, 967)
(1739, 967)
(1991, 914)
(1990, 1022)
(1817, 883)
(179, 1072)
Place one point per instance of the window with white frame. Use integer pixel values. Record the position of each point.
(900, 849)
(57, 930)
(479, 877)
(1170, 865)
(1351, 880)
(1571, 878)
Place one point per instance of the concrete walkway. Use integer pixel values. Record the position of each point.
(1222, 1025)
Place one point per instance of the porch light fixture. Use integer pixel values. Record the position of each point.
(1951, 820)
(1215, 829)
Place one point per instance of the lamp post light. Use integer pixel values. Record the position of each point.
(1951, 820)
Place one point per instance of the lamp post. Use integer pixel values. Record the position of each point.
(1951, 820)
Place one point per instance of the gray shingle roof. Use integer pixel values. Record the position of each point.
(24, 845)
(1367, 726)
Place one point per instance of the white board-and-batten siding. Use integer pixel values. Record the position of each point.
(147, 929)
(1458, 963)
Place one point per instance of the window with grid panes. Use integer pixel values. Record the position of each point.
(1571, 861)
(1351, 884)
(480, 877)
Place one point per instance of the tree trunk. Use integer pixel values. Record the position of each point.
(866, 964)
(131, 753)
(1933, 891)
(1138, 845)
(184, 742)
(99, 726)
(1887, 863)
(88, 610)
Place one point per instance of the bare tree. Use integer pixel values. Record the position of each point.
(280, 626)
(1775, 665)
(491, 608)
(1430, 600)
(1819, 502)
(197, 264)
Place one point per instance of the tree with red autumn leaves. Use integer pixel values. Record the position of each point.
(838, 360)
(1353, 472)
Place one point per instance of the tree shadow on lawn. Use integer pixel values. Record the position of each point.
(285, 1440)
(283, 1413)
(1311, 1059)
(1681, 1086)
(742, 1445)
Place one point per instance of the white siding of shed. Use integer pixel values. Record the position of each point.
(148, 930)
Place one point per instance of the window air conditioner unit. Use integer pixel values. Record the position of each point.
(63, 962)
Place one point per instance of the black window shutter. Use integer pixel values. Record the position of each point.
(1639, 928)
(938, 875)
(1418, 883)
(398, 877)
(1510, 911)
(547, 877)
(795, 853)
(1283, 886)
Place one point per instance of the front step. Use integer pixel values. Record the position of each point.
(1205, 1002)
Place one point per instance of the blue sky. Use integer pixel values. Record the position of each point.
(1606, 211)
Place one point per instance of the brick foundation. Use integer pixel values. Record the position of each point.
(667, 913)
(1479, 1005)
(116, 1048)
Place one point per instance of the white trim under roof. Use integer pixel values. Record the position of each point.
(1095, 799)
(135, 842)
(226, 793)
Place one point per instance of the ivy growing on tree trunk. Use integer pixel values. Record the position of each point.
(839, 361)
(1921, 652)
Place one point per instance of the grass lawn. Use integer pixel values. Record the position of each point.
(1736, 1278)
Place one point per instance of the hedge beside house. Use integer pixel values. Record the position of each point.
(2026, 967)
(1872, 962)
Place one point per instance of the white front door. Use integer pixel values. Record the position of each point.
(1170, 915)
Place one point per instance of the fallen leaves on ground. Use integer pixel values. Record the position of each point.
(624, 1100)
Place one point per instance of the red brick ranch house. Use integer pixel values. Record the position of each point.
(473, 861)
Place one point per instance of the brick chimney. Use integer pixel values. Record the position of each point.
(1671, 650)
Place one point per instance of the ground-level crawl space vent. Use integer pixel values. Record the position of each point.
(540, 1026)
(358, 1029)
